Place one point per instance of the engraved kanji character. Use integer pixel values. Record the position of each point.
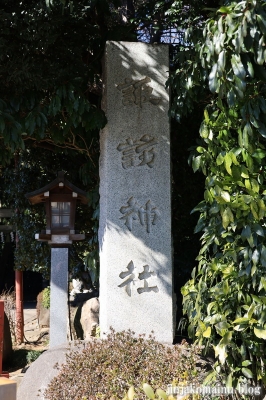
(131, 212)
(129, 157)
(142, 149)
(137, 92)
(130, 280)
(145, 275)
(146, 151)
(148, 215)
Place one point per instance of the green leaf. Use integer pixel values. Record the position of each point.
(148, 391)
(196, 163)
(207, 333)
(228, 163)
(222, 328)
(227, 338)
(241, 320)
(213, 81)
(238, 67)
(255, 185)
(247, 129)
(246, 363)
(220, 351)
(247, 372)
(263, 256)
(254, 209)
(255, 256)
(262, 23)
(229, 381)
(219, 159)
(262, 129)
(260, 333)
(258, 229)
(227, 217)
(224, 10)
(131, 393)
(161, 394)
(225, 196)
(250, 69)
(221, 61)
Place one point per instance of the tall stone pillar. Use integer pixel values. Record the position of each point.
(135, 184)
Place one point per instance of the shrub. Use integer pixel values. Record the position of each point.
(106, 368)
(46, 297)
(32, 355)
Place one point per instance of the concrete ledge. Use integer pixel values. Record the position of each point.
(8, 389)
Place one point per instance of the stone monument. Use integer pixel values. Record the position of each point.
(136, 290)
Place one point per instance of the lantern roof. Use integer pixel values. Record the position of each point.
(59, 185)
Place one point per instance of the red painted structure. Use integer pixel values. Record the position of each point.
(2, 319)
(19, 307)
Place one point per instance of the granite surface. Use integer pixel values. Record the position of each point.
(136, 289)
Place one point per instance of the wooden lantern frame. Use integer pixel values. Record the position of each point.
(59, 191)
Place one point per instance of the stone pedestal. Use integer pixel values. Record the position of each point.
(135, 202)
(8, 389)
(59, 296)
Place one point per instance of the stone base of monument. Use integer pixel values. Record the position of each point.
(8, 389)
(43, 370)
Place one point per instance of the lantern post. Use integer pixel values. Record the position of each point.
(60, 198)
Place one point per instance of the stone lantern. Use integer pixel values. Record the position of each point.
(60, 198)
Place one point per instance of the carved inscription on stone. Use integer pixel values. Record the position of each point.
(130, 279)
(137, 92)
(146, 215)
(138, 152)
(145, 275)
(127, 284)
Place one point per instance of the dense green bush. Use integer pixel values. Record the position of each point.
(107, 368)
(225, 299)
